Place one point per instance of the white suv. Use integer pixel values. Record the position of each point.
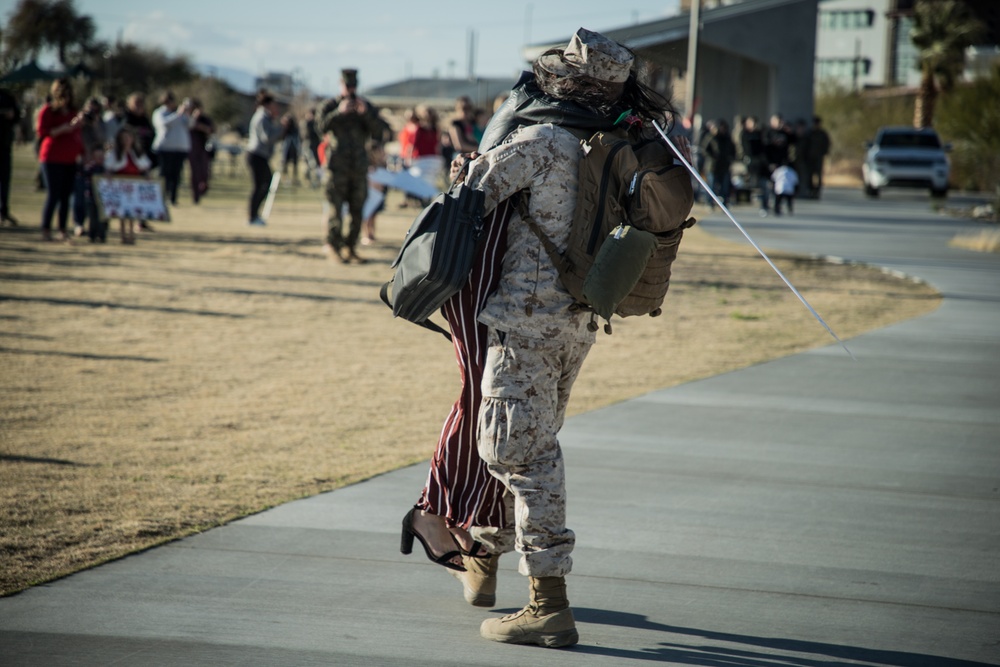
(907, 157)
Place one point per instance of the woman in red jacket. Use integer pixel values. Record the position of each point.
(60, 148)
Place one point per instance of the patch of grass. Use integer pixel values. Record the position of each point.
(746, 317)
(985, 241)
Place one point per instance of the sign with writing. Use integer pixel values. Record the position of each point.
(132, 197)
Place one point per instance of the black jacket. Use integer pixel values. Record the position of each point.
(528, 105)
(754, 158)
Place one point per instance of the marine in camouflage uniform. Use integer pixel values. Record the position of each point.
(537, 345)
(352, 124)
(538, 342)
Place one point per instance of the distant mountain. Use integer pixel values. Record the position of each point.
(238, 79)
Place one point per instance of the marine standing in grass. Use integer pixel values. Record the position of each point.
(352, 122)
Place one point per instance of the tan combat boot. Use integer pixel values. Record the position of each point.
(479, 580)
(546, 621)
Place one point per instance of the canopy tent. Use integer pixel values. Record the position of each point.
(29, 73)
(79, 69)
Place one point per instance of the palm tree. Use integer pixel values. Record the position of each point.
(69, 30)
(39, 24)
(24, 34)
(942, 30)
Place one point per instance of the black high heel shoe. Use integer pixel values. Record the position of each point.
(406, 544)
(477, 551)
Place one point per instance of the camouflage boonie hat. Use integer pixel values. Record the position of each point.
(591, 55)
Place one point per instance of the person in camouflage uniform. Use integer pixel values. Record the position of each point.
(352, 124)
(537, 341)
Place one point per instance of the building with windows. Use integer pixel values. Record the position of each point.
(754, 57)
(866, 43)
(850, 43)
(280, 84)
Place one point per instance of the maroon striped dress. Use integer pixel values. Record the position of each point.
(459, 486)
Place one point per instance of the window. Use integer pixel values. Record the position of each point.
(907, 56)
(909, 140)
(842, 68)
(858, 19)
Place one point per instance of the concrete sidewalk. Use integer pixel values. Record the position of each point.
(808, 512)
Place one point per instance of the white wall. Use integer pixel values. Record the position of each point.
(839, 39)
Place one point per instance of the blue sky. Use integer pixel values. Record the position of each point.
(386, 41)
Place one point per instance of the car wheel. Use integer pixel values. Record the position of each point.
(939, 194)
(870, 191)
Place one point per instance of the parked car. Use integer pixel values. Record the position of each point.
(906, 157)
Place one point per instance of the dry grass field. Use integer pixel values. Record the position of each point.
(985, 241)
(213, 370)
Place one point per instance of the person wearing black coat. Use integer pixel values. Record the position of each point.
(755, 159)
(719, 155)
(10, 116)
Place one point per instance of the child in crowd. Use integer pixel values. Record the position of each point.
(127, 158)
(97, 229)
(785, 182)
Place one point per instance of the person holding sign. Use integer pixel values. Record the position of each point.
(127, 158)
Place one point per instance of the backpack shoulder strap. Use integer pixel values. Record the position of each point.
(561, 263)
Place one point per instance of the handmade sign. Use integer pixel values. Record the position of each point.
(132, 197)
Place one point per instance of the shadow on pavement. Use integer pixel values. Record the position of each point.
(803, 653)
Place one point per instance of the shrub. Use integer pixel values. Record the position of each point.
(970, 118)
(852, 118)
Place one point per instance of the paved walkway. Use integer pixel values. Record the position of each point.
(807, 512)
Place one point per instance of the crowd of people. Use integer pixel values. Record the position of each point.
(775, 163)
(77, 142)
(340, 141)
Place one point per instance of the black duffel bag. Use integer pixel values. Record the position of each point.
(437, 255)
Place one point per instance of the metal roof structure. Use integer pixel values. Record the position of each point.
(440, 93)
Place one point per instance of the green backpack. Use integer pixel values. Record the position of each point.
(631, 212)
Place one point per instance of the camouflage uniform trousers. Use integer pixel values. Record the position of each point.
(526, 386)
(346, 185)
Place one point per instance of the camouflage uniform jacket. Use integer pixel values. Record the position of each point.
(351, 134)
(530, 299)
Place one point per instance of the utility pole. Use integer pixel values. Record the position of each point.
(692, 61)
(472, 54)
(855, 70)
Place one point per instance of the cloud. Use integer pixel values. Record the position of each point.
(383, 50)
(163, 31)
